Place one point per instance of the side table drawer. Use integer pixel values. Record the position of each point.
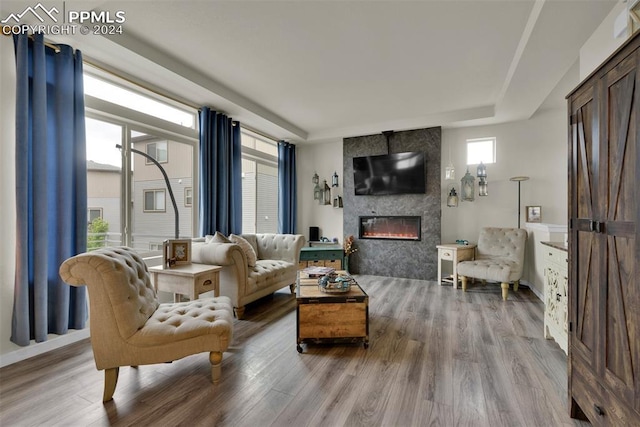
(337, 264)
(447, 254)
(207, 283)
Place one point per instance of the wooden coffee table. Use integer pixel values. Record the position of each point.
(330, 317)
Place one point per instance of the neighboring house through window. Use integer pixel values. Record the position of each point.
(136, 203)
(154, 201)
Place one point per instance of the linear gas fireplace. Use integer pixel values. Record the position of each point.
(390, 227)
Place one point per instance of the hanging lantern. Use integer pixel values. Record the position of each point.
(482, 171)
(467, 184)
(327, 194)
(315, 179)
(482, 187)
(317, 193)
(334, 179)
(452, 198)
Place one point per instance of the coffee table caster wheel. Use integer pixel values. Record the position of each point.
(366, 345)
(299, 348)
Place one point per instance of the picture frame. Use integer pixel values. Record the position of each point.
(534, 214)
(177, 252)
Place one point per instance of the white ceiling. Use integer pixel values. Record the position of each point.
(324, 70)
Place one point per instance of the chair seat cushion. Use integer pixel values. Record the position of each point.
(187, 320)
(498, 270)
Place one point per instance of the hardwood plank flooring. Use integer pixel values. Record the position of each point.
(438, 356)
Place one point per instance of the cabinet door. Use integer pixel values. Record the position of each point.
(585, 265)
(620, 297)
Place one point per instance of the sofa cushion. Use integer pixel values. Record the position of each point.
(217, 238)
(269, 271)
(246, 247)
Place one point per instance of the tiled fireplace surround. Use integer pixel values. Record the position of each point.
(407, 258)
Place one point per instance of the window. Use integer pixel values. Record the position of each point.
(94, 213)
(259, 183)
(188, 196)
(154, 201)
(481, 150)
(157, 150)
(132, 191)
(118, 93)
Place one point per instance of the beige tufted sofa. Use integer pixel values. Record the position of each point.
(129, 327)
(499, 258)
(275, 268)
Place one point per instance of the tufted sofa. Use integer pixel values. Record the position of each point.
(275, 267)
(499, 258)
(129, 327)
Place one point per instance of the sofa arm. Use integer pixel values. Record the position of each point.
(231, 257)
(215, 253)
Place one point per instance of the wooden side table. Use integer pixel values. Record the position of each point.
(190, 280)
(454, 253)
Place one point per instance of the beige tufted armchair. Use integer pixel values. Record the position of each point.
(129, 327)
(499, 257)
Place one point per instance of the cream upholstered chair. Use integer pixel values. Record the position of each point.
(129, 327)
(499, 257)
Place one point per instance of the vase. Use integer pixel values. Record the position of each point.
(346, 263)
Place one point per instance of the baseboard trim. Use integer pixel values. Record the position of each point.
(36, 349)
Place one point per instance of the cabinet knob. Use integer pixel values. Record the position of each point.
(598, 410)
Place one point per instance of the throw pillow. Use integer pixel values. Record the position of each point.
(252, 258)
(217, 238)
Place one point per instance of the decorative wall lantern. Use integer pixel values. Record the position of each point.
(482, 180)
(467, 184)
(452, 198)
(482, 170)
(327, 194)
(483, 187)
(334, 179)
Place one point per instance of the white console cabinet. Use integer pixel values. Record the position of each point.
(555, 292)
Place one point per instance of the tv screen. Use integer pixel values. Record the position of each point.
(397, 173)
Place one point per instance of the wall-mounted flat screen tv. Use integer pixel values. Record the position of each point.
(397, 173)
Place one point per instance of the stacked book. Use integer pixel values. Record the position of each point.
(318, 271)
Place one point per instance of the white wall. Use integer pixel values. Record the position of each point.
(536, 148)
(602, 42)
(323, 159)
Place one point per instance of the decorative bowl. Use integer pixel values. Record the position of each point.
(335, 283)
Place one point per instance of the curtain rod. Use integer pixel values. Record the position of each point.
(53, 46)
(128, 80)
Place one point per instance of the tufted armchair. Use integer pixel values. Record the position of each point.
(499, 257)
(129, 327)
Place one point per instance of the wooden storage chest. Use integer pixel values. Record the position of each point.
(330, 317)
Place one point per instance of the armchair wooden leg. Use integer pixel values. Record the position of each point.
(110, 382)
(215, 357)
(464, 283)
(239, 312)
(505, 290)
(515, 285)
(292, 288)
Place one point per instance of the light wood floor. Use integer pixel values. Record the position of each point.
(437, 357)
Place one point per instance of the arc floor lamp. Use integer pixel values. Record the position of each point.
(166, 180)
(519, 180)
